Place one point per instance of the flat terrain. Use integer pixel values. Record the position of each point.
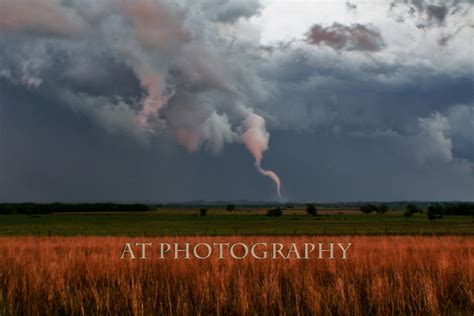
(173, 222)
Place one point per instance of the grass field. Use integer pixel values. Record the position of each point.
(383, 275)
(173, 222)
(78, 255)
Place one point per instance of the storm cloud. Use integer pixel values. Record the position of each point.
(126, 100)
(429, 14)
(354, 37)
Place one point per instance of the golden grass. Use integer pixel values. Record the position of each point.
(383, 276)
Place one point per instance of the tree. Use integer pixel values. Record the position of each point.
(412, 208)
(203, 212)
(275, 212)
(458, 209)
(311, 209)
(382, 209)
(435, 212)
(368, 208)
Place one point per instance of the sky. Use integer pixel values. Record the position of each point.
(305, 100)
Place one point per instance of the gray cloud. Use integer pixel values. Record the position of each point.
(373, 99)
(432, 141)
(161, 48)
(436, 12)
(39, 18)
(351, 6)
(228, 11)
(141, 64)
(203, 81)
(428, 14)
(356, 37)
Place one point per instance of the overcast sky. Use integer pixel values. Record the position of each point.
(120, 100)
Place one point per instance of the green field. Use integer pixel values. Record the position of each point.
(174, 222)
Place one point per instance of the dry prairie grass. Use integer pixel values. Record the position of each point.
(383, 276)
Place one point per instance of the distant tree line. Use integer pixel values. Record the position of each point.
(48, 208)
(369, 208)
(452, 209)
(434, 210)
(438, 210)
(278, 211)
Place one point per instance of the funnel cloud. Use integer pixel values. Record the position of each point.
(256, 139)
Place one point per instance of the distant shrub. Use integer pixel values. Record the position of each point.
(230, 207)
(458, 209)
(413, 208)
(435, 212)
(368, 208)
(410, 210)
(382, 209)
(275, 212)
(203, 212)
(311, 210)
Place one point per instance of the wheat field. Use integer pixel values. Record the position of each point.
(383, 275)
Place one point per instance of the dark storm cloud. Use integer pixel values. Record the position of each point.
(99, 105)
(356, 37)
(73, 160)
(49, 153)
(81, 55)
(436, 12)
(126, 63)
(428, 14)
(415, 111)
(316, 91)
(93, 77)
(330, 166)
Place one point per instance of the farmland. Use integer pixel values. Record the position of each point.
(185, 221)
(395, 265)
